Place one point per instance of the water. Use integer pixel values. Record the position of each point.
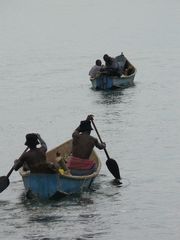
(46, 50)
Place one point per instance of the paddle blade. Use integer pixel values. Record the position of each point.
(113, 168)
(4, 183)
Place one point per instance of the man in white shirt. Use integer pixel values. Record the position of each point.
(95, 70)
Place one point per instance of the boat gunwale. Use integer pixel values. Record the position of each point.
(116, 77)
(93, 175)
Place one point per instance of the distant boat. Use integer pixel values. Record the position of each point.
(50, 185)
(105, 81)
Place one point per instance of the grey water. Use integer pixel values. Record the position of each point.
(46, 50)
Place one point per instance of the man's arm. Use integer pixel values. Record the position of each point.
(19, 162)
(99, 145)
(42, 142)
(76, 132)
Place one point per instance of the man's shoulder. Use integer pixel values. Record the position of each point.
(93, 138)
(36, 150)
(42, 149)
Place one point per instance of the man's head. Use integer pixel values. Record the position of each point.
(98, 62)
(106, 57)
(31, 140)
(85, 126)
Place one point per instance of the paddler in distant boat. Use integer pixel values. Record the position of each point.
(111, 67)
(82, 146)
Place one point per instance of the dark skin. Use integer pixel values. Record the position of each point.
(33, 157)
(83, 143)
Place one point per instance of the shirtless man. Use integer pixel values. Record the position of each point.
(82, 146)
(35, 156)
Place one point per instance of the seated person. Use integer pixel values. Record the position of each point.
(96, 69)
(128, 71)
(112, 67)
(35, 159)
(82, 146)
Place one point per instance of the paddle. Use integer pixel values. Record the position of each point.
(110, 163)
(4, 180)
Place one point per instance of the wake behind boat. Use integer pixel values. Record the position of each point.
(124, 78)
(46, 185)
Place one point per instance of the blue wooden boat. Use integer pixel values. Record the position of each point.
(50, 185)
(105, 81)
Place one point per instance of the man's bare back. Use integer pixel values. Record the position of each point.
(83, 142)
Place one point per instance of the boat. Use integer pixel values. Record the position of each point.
(105, 81)
(49, 185)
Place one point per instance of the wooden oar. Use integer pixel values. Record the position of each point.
(4, 180)
(110, 163)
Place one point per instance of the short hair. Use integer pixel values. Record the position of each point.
(98, 62)
(106, 57)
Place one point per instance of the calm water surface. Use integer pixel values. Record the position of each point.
(46, 50)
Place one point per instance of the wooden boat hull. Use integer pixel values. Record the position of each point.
(112, 82)
(47, 185)
(106, 81)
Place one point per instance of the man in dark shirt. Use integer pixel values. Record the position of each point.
(112, 67)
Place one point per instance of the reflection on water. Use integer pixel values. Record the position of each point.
(113, 97)
(110, 97)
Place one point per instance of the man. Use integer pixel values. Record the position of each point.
(35, 157)
(82, 146)
(96, 69)
(111, 66)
